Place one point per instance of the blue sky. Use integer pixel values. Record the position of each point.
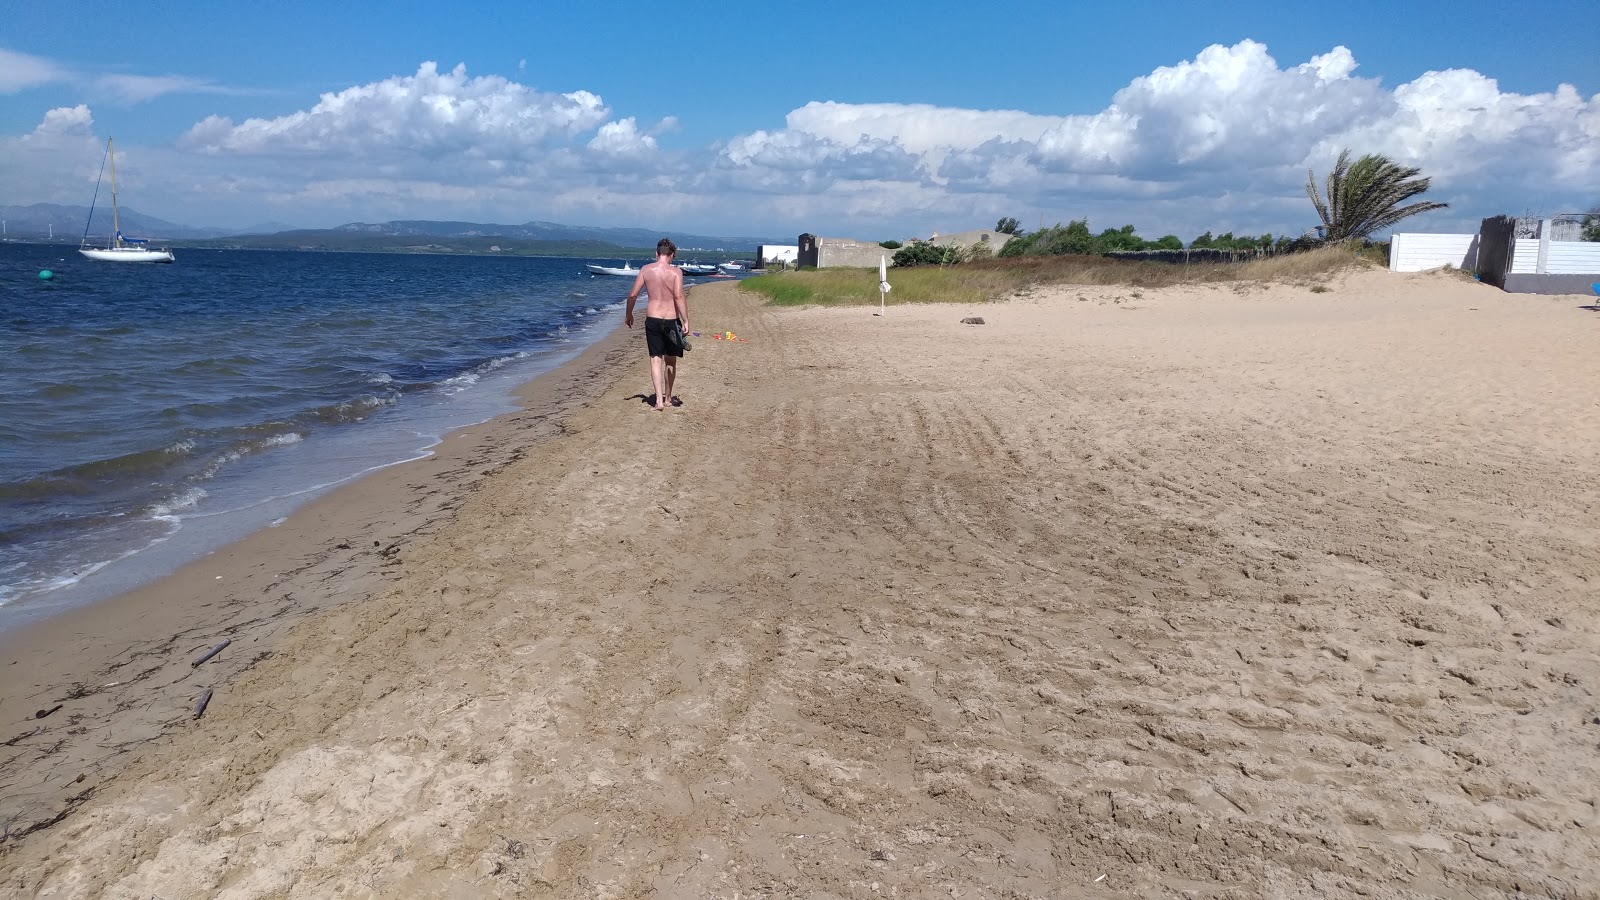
(850, 119)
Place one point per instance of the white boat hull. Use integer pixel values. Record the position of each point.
(608, 270)
(130, 254)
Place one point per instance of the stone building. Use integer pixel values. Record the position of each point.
(983, 237)
(827, 253)
(823, 253)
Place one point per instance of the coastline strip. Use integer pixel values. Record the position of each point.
(112, 660)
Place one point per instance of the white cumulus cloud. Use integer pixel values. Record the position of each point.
(67, 121)
(1218, 142)
(918, 127)
(1222, 141)
(56, 162)
(428, 115)
(622, 138)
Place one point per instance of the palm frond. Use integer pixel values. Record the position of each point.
(1366, 196)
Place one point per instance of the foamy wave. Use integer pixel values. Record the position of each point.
(232, 456)
(44, 584)
(379, 378)
(180, 448)
(501, 362)
(170, 509)
(365, 404)
(459, 383)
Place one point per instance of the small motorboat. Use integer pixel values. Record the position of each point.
(627, 270)
(732, 268)
(698, 269)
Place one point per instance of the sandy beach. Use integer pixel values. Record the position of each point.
(1196, 592)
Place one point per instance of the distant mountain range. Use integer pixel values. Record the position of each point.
(41, 220)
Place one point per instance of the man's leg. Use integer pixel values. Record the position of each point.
(670, 364)
(657, 377)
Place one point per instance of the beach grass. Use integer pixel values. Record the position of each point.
(977, 282)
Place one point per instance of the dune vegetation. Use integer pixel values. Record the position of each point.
(984, 280)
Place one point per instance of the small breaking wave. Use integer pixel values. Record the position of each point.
(170, 509)
(348, 410)
(248, 447)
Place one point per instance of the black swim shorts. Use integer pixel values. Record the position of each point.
(657, 336)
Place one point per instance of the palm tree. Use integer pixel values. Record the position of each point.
(1366, 197)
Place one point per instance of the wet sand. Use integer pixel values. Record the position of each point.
(1210, 593)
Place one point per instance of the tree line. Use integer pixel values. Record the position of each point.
(1357, 199)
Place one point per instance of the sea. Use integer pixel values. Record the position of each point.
(150, 414)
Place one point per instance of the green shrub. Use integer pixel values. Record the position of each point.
(890, 245)
(922, 253)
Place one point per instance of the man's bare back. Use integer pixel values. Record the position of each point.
(663, 287)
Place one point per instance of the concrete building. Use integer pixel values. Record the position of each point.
(827, 253)
(822, 253)
(983, 237)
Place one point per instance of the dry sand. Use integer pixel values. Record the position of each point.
(1212, 594)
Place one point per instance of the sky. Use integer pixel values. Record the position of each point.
(864, 120)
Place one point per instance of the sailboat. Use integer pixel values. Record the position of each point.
(120, 249)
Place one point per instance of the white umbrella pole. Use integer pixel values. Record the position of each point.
(883, 285)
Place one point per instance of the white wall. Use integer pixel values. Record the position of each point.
(1420, 252)
(1564, 258)
(789, 253)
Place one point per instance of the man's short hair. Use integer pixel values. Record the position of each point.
(666, 247)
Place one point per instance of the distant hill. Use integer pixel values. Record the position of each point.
(410, 236)
(551, 231)
(42, 219)
(338, 240)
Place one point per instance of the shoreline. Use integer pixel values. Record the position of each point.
(102, 667)
(1190, 591)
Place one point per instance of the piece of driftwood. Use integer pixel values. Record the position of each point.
(210, 653)
(200, 705)
(972, 320)
(45, 712)
(25, 734)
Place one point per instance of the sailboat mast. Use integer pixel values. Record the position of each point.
(116, 227)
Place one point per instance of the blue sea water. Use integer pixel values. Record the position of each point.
(149, 413)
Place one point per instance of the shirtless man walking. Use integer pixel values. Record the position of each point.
(662, 283)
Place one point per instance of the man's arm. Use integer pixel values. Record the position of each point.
(680, 299)
(638, 283)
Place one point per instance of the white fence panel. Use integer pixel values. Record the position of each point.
(1563, 258)
(1525, 257)
(1414, 252)
(1573, 258)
